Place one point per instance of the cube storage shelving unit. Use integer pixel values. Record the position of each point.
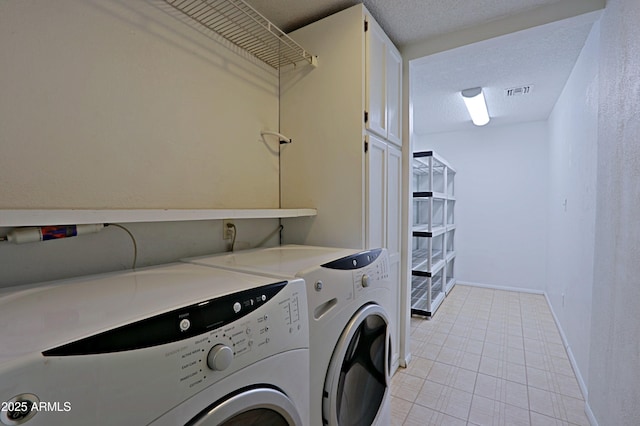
(433, 232)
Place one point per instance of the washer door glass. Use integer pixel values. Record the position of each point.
(259, 406)
(358, 376)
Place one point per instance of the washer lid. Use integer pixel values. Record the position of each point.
(38, 319)
(283, 261)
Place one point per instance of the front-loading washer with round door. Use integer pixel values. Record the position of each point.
(171, 345)
(348, 292)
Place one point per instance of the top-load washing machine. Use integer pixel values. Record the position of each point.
(172, 345)
(349, 326)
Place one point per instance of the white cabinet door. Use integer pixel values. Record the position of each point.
(394, 243)
(376, 214)
(375, 77)
(383, 76)
(394, 95)
(384, 191)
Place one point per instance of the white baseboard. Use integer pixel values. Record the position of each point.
(574, 365)
(404, 363)
(590, 415)
(565, 342)
(500, 287)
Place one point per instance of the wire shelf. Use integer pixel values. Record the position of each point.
(246, 28)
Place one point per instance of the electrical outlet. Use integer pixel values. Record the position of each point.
(227, 229)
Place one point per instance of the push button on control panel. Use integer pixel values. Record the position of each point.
(184, 324)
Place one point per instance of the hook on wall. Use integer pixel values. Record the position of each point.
(282, 138)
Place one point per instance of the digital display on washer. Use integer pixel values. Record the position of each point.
(172, 326)
(354, 261)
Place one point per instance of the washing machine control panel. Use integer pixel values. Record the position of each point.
(271, 324)
(345, 280)
(372, 275)
(131, 373)
(369, 268)
(188, 349)
(173, 326)
(355, 261)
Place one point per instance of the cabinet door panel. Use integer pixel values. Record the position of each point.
(394, 95)
(376, 188)
(375, 80)
(394, 201)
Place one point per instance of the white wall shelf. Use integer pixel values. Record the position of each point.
(33, 217)
(245, 27)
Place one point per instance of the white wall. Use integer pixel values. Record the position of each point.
(118, 104)
(501, 207)
(112, 249)
(573, 131)
(614, 373)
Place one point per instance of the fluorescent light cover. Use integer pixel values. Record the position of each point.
(474, 100)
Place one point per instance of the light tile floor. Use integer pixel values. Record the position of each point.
(487, 357)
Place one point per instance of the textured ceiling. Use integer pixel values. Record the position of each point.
(404, 21)
(408, 21)
(542, 56)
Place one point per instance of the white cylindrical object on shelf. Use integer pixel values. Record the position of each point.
(24, 235)
(43, 233)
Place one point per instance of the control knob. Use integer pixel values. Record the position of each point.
(220, 357)
(365, 280)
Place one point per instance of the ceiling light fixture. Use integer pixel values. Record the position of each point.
(477, 106)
